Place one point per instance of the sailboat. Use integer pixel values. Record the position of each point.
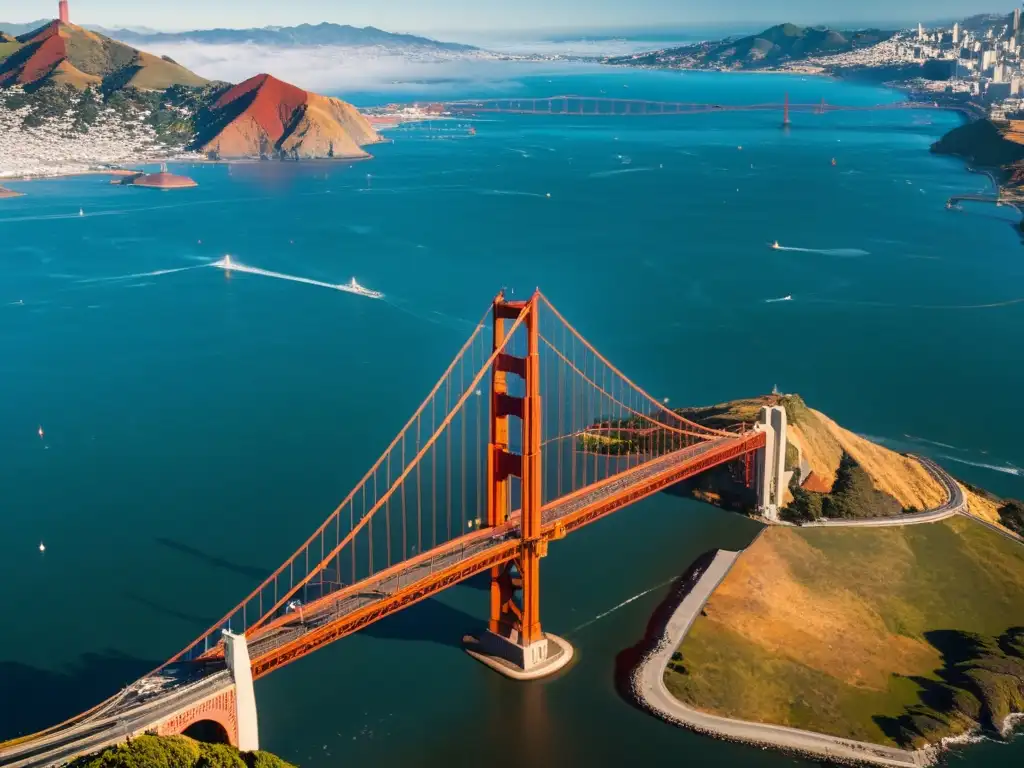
(81, 212)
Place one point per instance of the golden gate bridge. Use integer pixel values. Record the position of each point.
(529, 435)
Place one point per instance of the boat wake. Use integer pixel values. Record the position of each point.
(845, 252)
(933, 442)
(776, 301)
(1007, 469)
(623, 604)
(230, 265)
(138, 275)
(616, 172)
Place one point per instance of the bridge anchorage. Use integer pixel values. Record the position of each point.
(529, 435)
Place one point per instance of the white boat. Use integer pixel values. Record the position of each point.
(776, 246)
(786, 298)
(81, 212)
(227, 262)
(353, 287)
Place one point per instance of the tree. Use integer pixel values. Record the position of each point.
(1011, 514)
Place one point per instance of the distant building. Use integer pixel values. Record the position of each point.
(988, 60)
(956, 34)
(1016, 20)
(999, 73)
(920, 31)
(997, 91)
(1015, 86)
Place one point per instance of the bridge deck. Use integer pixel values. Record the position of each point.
(369, 600)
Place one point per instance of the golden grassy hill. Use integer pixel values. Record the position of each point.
(854, 632)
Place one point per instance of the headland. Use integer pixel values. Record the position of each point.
(878, 643)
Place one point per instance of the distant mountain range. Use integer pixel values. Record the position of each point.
(71, 55)
(302, 35)
(776, 45)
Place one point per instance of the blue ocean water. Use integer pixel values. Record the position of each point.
(197, 428)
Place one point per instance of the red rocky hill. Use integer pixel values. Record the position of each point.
(267, 117)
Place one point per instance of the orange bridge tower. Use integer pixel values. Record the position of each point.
(514, 643)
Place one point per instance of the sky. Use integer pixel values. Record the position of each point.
(489, 15)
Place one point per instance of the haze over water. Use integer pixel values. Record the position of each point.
(197, 428)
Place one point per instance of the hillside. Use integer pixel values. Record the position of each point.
(176, 752)
(266, 117)
(67, 54)
(781, 44)
(896, 636)
(301, 35)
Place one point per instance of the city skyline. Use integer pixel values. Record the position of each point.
(498, 15)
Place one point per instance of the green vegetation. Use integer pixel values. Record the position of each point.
(1011, 514)
(7, 47)
(853, 496)
(896, 636)
(980, 142)
(176, 752)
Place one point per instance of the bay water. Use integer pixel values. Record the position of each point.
(197, 428)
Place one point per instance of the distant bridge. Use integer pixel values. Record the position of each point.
(614, 107)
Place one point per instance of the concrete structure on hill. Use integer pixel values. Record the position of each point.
(771, 462)
(63, 13)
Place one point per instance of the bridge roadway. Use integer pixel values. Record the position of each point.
(158, 696)
(343, 612)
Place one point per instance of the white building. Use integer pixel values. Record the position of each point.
(956, 34)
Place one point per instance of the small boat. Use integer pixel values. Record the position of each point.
(354, 287)
(41, 433)
(833, 161)
(81, 212)
(786, 298)
(227, 262)
(776, 246)
(42, 547)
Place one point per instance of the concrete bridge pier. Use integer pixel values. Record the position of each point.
(770, 461)
(236, 653)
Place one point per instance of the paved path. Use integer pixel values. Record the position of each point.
(650, 690)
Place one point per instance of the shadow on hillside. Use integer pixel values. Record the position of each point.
(969, 686)
(34, 699)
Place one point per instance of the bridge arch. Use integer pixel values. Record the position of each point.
(213, 720)
(208, 731)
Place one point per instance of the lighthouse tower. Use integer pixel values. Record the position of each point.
(64, 14)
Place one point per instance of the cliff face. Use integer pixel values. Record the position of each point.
(71, 55)
(267, 117)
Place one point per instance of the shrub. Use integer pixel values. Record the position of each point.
(1012, 515)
